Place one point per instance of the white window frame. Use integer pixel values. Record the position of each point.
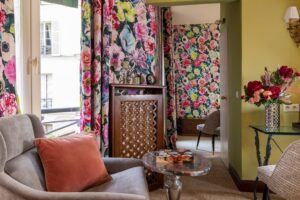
(28, 56)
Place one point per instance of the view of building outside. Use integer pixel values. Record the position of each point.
(60, 29)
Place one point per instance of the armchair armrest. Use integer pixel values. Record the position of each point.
(115, 165)
(11, 189)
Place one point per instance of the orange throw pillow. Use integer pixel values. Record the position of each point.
(71, 163)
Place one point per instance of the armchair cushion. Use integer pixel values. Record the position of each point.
(71, 163)
(129, 181)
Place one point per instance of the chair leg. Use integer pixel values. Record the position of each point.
(198, 141)
(213, 144)
(266, 193)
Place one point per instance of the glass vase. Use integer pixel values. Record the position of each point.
(272, 116)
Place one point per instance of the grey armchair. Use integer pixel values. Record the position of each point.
(211, 128)
(284, 177)
(21, 172)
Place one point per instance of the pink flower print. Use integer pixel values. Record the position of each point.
(8, 105)
(187, 45)
(115, 21)
(202, 90)
(216, 62)
(185, 103)
(86, 83)
(97, 6)
(207, 77)
(194, 83)
(150, 46)
(196, 104)
(213, 86)
(202, 48)
(216, 35)
(141, 31)
(215, 104)
(184, 55)
(116, 57)
(193, 41)
(2, 18)
(202, 82)
(86, 57)
(10, 71)
(203, 57)
(187, 87)
(201, 40)
(87, 110)
(202, 99)
(153, 27)
(197, 63)
(186, 62)
(213, 44)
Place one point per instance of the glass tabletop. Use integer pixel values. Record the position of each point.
(282, 130)
(197, 167)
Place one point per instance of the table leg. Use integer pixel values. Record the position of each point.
(173, 186)
(258, 160)
(268, 150)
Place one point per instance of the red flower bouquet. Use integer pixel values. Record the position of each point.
(272, 87)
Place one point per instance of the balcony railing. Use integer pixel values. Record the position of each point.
(65, 118)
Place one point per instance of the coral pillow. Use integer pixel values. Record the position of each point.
(72, 163)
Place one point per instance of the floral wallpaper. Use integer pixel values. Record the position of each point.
(133, 47)
(8, 102)
(196, 56)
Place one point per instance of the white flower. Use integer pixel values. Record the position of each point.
(7, 46)
(196, 113)
(197, 71)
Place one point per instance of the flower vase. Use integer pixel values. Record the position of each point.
(272, 116)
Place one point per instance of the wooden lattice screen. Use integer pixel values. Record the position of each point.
(137, 128)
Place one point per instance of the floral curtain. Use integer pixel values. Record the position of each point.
(197, 63)
(118, 39)
(170, 76)
(8, 100)
(94, 68)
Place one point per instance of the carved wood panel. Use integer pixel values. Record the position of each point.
(137, 127)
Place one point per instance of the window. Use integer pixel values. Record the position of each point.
(49, 38)
(46, 93)
(46, 40)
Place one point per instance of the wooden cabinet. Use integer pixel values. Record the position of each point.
(137, 122)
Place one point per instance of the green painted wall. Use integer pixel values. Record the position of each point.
(265, 42)
(232, 12)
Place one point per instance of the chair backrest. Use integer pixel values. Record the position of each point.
(18, 156)
(285, 180)
(212, 123)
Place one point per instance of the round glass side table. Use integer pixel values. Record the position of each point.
(199, 166)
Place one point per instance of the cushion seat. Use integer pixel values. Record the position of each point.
(201, 126)
(265, 172)
(130, 181)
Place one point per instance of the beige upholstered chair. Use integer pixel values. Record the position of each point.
(284, 177)
(22, 176)
(211, 128)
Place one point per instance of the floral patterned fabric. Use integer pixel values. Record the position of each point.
(170, 77)
(8, 102)
(118, 38)
(196, 55)
(133, 48)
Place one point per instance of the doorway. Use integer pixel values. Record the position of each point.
(200, 66)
